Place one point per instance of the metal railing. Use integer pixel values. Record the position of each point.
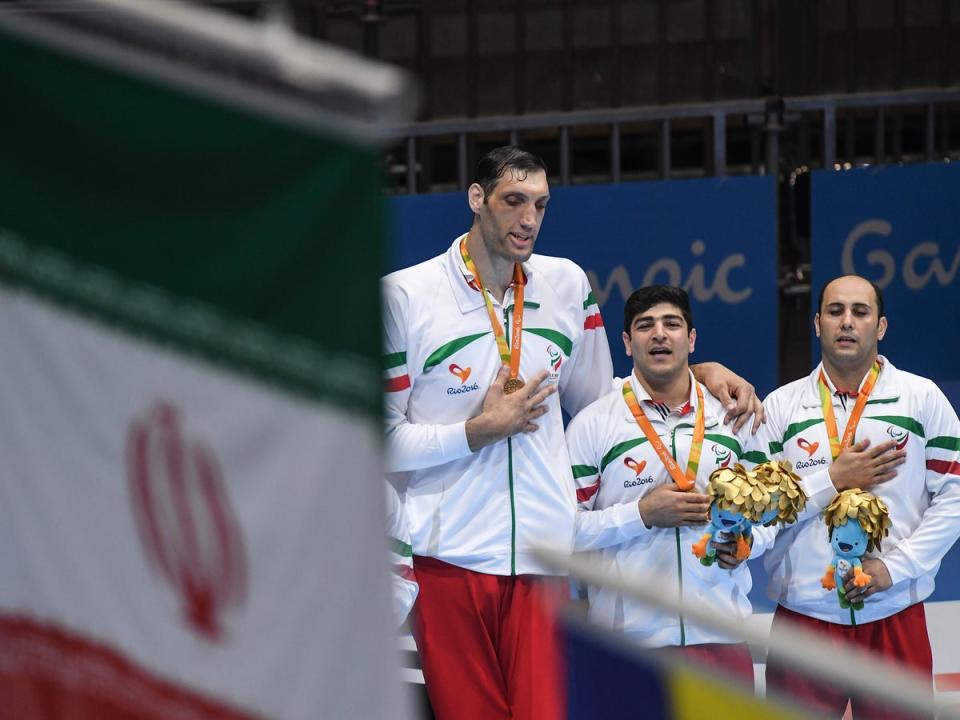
(771, 117)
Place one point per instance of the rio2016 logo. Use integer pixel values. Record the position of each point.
(808, 447)
(637, 467)
(462, 374)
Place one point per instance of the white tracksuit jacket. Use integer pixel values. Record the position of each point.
(614, 466)
(923, 498)
(484, 511)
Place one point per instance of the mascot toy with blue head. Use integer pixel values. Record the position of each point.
(856, 521)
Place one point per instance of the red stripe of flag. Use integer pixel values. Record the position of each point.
(947, 682)
(584, 494)
(401, 382)
(944, 467)
(404, 571)
(593, 322)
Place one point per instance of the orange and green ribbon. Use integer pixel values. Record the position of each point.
(683, 481)
(508, 355)
(830, 420)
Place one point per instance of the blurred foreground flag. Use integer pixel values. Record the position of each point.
(610, 678)
(191, 491)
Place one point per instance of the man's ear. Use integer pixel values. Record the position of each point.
(882, 328)
(816, 324)
(475, 197)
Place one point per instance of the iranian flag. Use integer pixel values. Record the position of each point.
(191, 491)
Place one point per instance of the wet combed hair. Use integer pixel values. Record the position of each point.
(876, 289)
(645, 298)
(495, 163)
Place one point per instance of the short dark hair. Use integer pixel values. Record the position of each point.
(495, 163)
(876, 289)
(645, 298)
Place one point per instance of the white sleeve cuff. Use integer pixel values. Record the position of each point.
(628, 519)
(452, 440)
(898, 566)
(819, 488)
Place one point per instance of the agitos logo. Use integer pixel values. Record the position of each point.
(808, 447)
(899, 436)
(188, 530)
(723, 455)
(555, 358)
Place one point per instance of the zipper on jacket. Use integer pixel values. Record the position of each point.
(513, 503)
(673, 450)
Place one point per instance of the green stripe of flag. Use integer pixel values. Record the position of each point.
(580, 471)
(394, 360)
(295, 363)
(400, 547)
(754, 456)
(775, 448)
(945, 442)
(591, 300)
(191, 223)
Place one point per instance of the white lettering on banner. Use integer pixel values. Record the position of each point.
(917, 272)
(668, 270)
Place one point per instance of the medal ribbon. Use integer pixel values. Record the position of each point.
(830, 420)
(508, 355)
(683, 481)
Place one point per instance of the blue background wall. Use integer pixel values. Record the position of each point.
(716, 238)
(900, 227)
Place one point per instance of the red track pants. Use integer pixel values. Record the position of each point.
(489, 644)
(901, 637)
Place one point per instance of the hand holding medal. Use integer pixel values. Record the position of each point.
(505, 414)
(506, 410)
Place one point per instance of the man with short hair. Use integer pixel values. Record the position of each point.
(858, 421)
(638, 513)
(484, 344)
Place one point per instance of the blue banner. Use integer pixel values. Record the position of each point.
(716, 238)
(900, 227)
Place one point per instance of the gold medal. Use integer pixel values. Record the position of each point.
(509, 354)
(512, 385)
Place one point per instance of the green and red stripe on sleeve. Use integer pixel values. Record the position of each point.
(395, 377)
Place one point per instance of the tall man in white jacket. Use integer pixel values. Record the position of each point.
(634, 511)
(484, 343)
(858, 421)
